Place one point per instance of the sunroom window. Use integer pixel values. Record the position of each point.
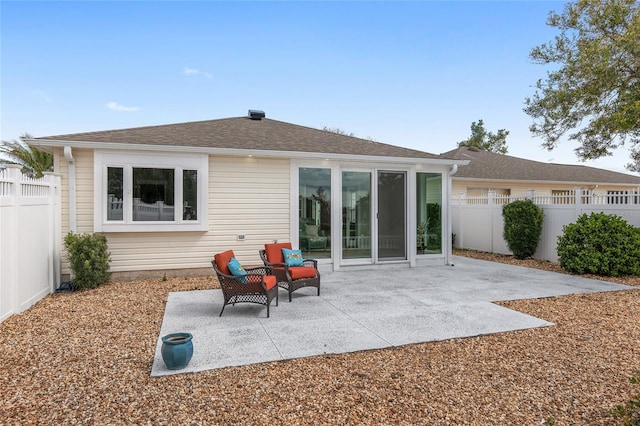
(137, 192)
(314, 212)
(429, 213)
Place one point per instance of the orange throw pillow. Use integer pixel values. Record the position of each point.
(270, 281)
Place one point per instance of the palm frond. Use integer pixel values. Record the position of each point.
(34, 162)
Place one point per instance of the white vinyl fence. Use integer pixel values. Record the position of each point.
(478, 225)
(30, 239)
(141, 211)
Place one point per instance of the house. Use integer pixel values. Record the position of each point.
(170, 196)
(512, 176)
(564, 192)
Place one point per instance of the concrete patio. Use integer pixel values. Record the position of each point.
(364, 309)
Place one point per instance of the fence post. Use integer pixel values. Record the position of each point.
(9, 246)
(577, 203)
(460, 235)
(491, 201)
(578, 194)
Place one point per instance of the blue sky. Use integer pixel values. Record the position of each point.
(413, 74)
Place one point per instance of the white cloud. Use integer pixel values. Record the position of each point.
(117, 107)
(194, 71)
(42, 95)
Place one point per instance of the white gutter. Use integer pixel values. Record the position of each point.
(72, 188)
(453, 171)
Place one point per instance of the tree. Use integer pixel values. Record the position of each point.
(34, 162)
(594, 94)
(486, 141)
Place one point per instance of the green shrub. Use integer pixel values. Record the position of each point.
(601, 244)
(629, 413)
(522, 227)
(89, 259)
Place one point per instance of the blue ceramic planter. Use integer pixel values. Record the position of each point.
(177, 350)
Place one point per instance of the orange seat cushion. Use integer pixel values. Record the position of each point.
(279, 269)
(270, 281)
(298, 272)
(274, 252)
(222, 261)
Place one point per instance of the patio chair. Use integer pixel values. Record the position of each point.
(311, 236)
(290, 278)
(252, 285)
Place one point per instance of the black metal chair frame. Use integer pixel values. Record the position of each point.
(283, 276)
(254, 290)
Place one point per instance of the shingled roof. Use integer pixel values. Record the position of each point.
(243, 133)
(491, 166)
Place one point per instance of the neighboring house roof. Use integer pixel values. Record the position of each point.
(485, 165)
(239, 133)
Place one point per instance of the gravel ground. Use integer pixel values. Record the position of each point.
(85, 358)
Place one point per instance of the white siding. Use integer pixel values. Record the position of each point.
(248, 196)
(461, 185)
(83, 160)
(84, 189)
(61, 167)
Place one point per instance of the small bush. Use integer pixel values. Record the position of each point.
(89, 259)
(629, 413)
(522, 227)
(601, 244)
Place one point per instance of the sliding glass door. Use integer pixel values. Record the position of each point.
(364, 218)
(356, 215)
(392, 214)
(314, 212)
(388, 208)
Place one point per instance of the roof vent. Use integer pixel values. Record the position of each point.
(255, 114)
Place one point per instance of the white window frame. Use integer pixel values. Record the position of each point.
(130, 160)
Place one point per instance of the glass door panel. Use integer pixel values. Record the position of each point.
(314, 212)
(429, 213)
(392, 228)
(356, 215)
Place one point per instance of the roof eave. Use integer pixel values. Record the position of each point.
(545, 182)
(244, 152)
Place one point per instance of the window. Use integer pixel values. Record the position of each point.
(429, 214)
(314, 212)
(114, 191)
(146, 192)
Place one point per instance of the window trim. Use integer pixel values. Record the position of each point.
(130, 160)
